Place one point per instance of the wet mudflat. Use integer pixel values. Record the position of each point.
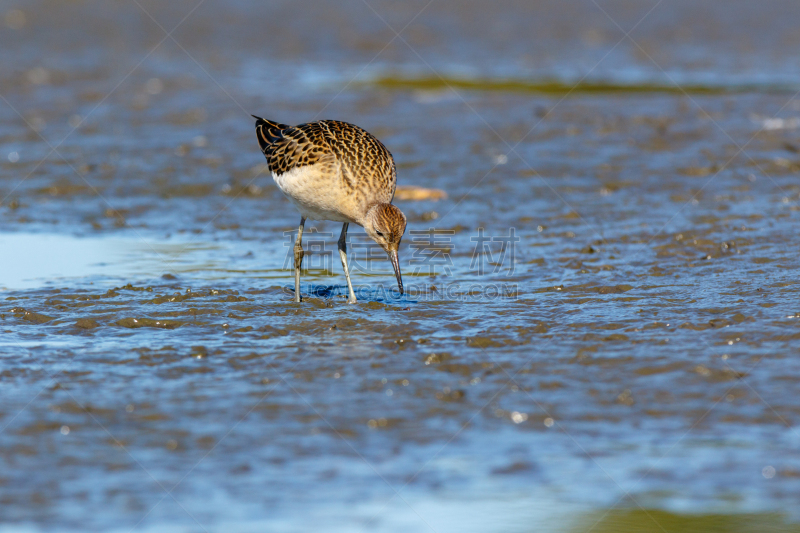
(602, 319)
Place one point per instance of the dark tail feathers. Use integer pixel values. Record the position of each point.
(268, 132)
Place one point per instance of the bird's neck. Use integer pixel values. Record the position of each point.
(369, 214)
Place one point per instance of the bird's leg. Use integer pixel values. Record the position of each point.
(343, 255)
(298, 259)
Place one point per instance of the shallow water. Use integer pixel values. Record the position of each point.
(598, 336)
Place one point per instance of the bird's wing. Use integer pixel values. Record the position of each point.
(361, 155)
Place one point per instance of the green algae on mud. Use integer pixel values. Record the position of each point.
(658, 521)
(561, 88)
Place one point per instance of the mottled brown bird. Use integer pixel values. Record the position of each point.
(333, 170)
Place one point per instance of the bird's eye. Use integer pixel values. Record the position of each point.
(380, 234)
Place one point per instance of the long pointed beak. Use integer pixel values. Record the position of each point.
(396, 264)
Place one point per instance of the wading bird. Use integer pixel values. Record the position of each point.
(335, 171)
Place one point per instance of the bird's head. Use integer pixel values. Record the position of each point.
(385, 224)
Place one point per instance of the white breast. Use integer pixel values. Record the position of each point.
(316, 194)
